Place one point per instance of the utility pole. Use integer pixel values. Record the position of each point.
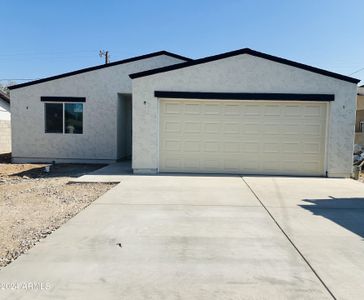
(106, 54)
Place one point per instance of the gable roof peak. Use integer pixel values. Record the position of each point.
(250, 52)
(89, 69)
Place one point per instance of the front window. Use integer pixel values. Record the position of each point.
(64, 118)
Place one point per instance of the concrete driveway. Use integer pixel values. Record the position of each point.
(195, 237)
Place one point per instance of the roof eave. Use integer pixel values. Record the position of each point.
(4, 97)
(89, 69)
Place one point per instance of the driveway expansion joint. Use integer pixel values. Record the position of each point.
(290, 240)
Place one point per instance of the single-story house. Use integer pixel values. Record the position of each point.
(359, 124)
(241, 112)
(5, 132)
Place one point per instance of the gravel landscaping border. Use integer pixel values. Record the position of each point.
(34, 203)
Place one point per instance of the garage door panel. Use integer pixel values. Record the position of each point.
(231, 110)
(272, 165)
(270, 148)
(311, 111)
(172, 145)
(242, 137)
(250, 147)
(229, 137)
(311, 148)
(251, 128)
(172, 108)
(272, 110)
(270, 128)
(212, 164)
(291, 166)
(291, 147)
(252, 110)
(211, 146)
(231, 166)
(292, 128)
(211, 137)
(310, 165)
(171, 163)
(311, 139)
(231, 147)
(192, 127)
(172, 126)
(312, 129)
(191, 146)
(191, 164)
(231, 127)
(292, 110)
(212, 109)
(212, 127)
(192, 109)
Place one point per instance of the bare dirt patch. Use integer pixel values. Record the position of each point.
(34, 203)
(361, 177)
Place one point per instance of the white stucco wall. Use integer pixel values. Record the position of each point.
(5, 130)
(4, 110)
(99, 139)
(246, 74)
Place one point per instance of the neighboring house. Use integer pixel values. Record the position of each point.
(359, 125)
(243, 112)
(5, 131)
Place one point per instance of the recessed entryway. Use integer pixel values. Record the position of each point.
(124, 126)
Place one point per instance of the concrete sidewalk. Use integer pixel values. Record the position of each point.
(112, 173)
(204, 237)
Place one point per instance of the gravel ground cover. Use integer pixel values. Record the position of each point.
(34, 203)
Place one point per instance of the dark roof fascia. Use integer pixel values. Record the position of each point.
(245, 96)
(245, 51)
(4, 97)
(124, 61)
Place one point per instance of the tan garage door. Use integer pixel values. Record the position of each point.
(244, 137)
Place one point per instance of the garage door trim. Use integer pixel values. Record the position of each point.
(245, 96)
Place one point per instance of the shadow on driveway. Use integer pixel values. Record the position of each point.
(346, 212)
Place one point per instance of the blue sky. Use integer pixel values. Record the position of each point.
(42, 38)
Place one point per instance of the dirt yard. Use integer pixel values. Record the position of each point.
(34, 203)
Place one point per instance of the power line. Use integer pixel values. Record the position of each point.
(17, 79)
(357, 71)
(45, 53)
